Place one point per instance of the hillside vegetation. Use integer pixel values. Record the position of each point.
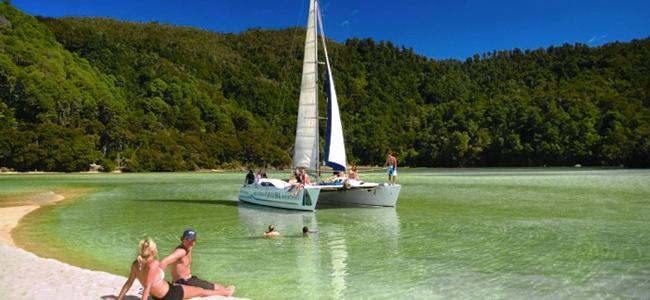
(154, 97)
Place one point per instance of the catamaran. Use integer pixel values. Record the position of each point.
(277, 193)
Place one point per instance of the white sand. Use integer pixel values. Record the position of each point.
(9, 217)
(27, 276)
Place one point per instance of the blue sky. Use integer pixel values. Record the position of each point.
(437, 29)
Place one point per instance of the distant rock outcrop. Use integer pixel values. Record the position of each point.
(4, 22)
(96, 168)
(6, 170)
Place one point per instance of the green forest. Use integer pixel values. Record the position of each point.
(155, 97)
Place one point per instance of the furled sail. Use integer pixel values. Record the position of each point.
(306, 148)
(334, 155)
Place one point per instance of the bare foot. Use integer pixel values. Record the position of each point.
(231, 289)
(226, 292)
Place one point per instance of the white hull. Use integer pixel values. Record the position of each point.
(379, 195)
(280, 197)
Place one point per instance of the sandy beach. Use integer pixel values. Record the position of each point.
(27, 276)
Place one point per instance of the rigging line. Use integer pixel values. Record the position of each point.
(292, 50)
(370, 170)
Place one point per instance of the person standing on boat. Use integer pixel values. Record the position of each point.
(180, 261)
(250, 177)
(391, 163)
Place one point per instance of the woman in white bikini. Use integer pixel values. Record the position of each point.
(147, 269)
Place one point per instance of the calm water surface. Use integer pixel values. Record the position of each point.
(473, 233)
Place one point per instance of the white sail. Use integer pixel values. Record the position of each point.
(334, 155)
(306, 147)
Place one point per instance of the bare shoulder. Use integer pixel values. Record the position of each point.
(153, 264)
(180, 252)
(135, 267)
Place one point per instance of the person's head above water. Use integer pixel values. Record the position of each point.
(305, 229)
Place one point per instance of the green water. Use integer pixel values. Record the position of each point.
(469, 233)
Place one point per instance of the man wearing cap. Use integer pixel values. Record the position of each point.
(181, 259)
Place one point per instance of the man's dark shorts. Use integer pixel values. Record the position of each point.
(195, 281)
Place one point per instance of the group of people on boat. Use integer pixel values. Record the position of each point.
(151, 273)
(253, 178)
(299, 177)
(298, 180)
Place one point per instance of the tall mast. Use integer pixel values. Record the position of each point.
(316, 165)
(307, 144)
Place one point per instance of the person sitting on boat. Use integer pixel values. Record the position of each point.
(250, 177)
(336, 179)
(354, 174)
(304, 178)
(146, 268)
(271, 232)
(258, 176)
(261, 174)
(181, 259)
(294, 180)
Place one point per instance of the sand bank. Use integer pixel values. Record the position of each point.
(27, 276)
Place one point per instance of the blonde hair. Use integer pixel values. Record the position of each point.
(146, 249)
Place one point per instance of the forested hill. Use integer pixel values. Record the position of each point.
(148, 96)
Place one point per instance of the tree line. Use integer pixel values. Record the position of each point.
(155, 97)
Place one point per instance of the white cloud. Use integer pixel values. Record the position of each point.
(595, 38)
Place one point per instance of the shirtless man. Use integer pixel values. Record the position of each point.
(181, 259)
(391, 163)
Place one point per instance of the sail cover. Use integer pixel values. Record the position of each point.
(306, 148)
(334, 155)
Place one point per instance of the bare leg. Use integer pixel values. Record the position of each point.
(191, 292)
(223, 289)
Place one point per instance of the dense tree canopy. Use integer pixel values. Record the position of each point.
(154, 97)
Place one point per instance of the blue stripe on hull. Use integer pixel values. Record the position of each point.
(273, 197)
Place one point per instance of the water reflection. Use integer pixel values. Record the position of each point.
(256, 218)
(339, 261)
(324, 261)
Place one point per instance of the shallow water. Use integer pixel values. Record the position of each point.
(456, 233)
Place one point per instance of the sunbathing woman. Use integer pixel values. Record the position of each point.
(147, 269)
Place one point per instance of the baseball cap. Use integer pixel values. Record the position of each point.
(189, 234)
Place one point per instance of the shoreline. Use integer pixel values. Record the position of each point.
(28, 276)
